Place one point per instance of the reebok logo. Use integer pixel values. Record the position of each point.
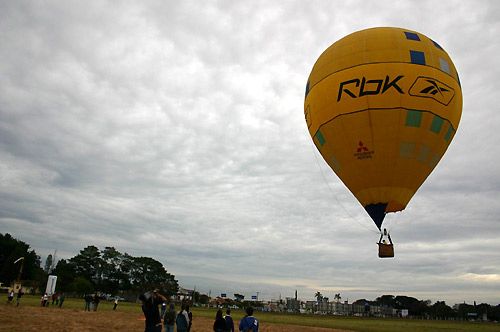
(427, 87)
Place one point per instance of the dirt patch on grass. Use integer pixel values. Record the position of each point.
(27, 319)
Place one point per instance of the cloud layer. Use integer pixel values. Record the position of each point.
(176, 131)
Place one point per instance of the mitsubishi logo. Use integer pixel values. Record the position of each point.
(427, 87)
(361, 147)
(362, 152)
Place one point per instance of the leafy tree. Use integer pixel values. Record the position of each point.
(88, 264)
(415, 307)
(147, 273)
(81, 286)
(337, 297)
(124, 270)
(483, 308)
(386, 300)
(12, 249)
(441, 311)
(204, 299)
(112, 275)
(239, 297)
(66, 274)
(196, 296)
(494, 313)
(252, 303)
(465, 309)
(111, 271)
(406, 302)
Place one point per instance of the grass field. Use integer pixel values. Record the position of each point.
(29, 316)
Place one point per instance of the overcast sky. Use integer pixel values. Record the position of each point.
(175, 130)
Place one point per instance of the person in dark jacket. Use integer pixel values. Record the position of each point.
(62, 297)
(88, 301)
(190, 317)
(169, 318)
(95, 301)
(229, 321)
(182, 321)
(20, 294)
(219, 323)
(150, 303)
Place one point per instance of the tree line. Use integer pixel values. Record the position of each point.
(112, 272)
(107, 271)
(439, 309)
(427, 309)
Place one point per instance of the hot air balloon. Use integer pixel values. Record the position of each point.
(382, 106)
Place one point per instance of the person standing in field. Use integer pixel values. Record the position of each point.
(20, 294)
(249, 323)
(96, 301)
(229, 321)
(219, 323)
(150, 303)
(190, 317)
(182, 320)
(61, 299)
(169, 318)
(10, 296)
(45, 300)
(88, 300)
(115, 304)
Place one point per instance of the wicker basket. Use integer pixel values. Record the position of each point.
(385, 250)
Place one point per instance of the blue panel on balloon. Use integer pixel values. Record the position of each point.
(412, 36)
(417, 57)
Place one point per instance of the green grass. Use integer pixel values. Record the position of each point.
(358, 323)
(336, 322)
(79, 304)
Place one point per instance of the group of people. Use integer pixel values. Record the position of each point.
(57, 299)
(225, 323)
(183, 320)
(150, 303)
(10, 296)
(92, 302)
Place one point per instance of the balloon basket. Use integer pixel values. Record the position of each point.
(385, 250)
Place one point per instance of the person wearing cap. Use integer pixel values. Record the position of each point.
(150, 303)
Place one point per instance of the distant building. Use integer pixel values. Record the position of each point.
(184, 294)
(274, 306)
(293, 305)
(348, 309)
(220, 301)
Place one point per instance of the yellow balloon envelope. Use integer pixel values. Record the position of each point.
(382, 105)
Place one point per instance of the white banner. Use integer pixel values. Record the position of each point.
(51, 285)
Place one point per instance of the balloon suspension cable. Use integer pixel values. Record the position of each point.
(393, 223)
(335, 196)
